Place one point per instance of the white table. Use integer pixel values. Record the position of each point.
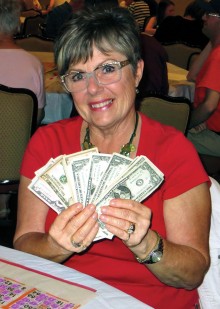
(58, 101)
(58, 106)
(107, 296)
(179, 86)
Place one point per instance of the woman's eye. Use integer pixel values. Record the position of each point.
(108, 68)
(76, 77)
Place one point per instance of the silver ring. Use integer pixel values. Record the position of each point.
(131, 229)
(76, 244)
(84, 247)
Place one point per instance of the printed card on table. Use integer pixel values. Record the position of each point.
(21, 287)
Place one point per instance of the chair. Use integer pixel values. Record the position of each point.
(32, 25)
(18, 120)
(173, 111)
(179, 54)
(35, 43)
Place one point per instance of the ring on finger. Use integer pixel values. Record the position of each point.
(84, 247)
(131, 228)
(76, 244)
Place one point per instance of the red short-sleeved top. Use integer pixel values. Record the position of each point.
(208, 78)
(110, 260)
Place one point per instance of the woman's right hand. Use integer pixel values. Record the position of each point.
(75, 228)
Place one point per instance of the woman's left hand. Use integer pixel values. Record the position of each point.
(122, 215)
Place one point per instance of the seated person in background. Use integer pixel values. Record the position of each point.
(101, 4)
(18, 68)
(52, 4)
(30, 4)
(151, 3)
(152, 6)
(59, 15)
(205, 118)
(185, 29)
(155, 76)
(165, 8)
(140, 10)
(101, 67)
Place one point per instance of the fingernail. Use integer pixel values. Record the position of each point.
(103, 209)
(92, 207)
(95, 216)
(79, 206)
(102, 218)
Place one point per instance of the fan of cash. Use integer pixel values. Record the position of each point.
(91, 177)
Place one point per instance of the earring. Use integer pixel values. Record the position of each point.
(137, 90)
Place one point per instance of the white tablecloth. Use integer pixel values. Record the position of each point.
(178, 84)
(107, 296)
(58, 106)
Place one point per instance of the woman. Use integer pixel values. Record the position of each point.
(165, 8)
(91, 47)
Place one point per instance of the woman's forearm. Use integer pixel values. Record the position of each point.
(42, 245)
(181, 266)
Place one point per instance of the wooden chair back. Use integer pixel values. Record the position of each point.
(18, 120)
(173, 111)
(179, 54)
(35, 43)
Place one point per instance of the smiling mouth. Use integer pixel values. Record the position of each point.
(102, 104)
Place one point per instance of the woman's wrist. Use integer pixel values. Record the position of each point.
(146, 245)
(155, 253)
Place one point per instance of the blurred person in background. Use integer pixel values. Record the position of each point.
(165, 8)
(140, 11)
(60, 14)
(205, 117)
(186, 29)
(18, 68)
(30, 4)
(155, 75)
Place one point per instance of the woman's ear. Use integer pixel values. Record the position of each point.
(139, 72)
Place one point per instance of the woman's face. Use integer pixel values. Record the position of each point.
(105, 106)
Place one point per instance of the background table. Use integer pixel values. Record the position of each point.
(107, 296)
(179, 86)
(58, 102)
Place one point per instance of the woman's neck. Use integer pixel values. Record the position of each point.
(109, 141)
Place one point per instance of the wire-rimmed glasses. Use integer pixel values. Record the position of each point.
(105, 74)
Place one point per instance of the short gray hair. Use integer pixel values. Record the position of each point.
(10, 16)
(108, 30)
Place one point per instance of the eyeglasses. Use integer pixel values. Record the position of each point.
(105, 74)
(213, 15)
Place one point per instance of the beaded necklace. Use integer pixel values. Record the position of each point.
(125, 149)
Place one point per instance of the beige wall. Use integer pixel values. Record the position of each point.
(181, 5)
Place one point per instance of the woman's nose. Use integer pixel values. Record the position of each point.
(92, 83)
